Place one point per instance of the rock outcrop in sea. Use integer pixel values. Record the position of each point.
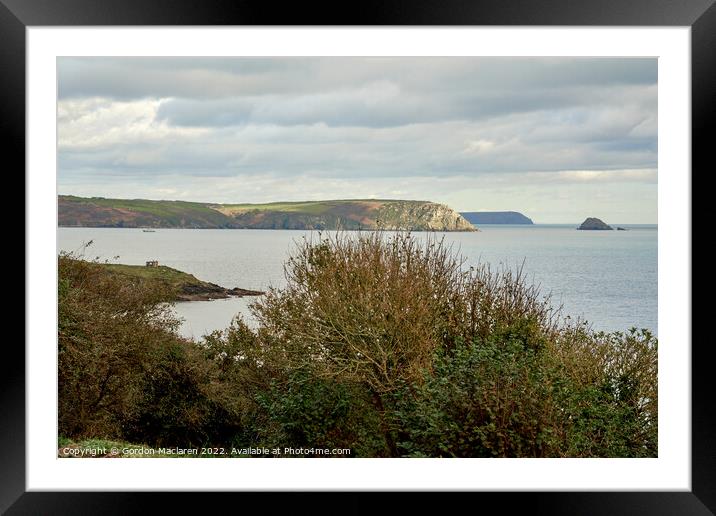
(593, 223)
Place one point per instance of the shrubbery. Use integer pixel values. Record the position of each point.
(482, 399)
(382, 343)
(122, 370)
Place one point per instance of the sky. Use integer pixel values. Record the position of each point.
(558, 139)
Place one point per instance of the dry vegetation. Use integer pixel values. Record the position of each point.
(379, 342)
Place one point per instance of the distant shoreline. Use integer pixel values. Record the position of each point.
(374, 214)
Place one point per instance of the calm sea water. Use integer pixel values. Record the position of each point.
(606, 277)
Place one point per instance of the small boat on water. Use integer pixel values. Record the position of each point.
(149, 231)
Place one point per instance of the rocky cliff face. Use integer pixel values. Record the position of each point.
(365, 215)
(421, 216)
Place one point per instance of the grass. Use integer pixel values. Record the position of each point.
(307, 207)
(171, 210)
(312, 208)
(172, 281)
(163, 274)
(179, 286)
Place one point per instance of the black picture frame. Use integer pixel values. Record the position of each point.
(17, 15)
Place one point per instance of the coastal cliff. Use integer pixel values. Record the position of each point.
(366, 214)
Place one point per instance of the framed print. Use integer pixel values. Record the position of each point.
(431, 169)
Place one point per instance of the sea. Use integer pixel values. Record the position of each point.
(608, 278)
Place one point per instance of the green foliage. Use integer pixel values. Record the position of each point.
(610, 397)
(501, 398)
(180, 402)
(482, 399)
(306, 411)
(282, 406)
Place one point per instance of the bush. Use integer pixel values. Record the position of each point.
(500, 398)
(482, 399)
(182, 402)
(458, 362)
(101, 352)
(291, 407)
(307, 411)
(362, 309)
(123, 372)
(374, 308)
(609, 393)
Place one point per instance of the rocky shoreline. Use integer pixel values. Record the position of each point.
(211, 291)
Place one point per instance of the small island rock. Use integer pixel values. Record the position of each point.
(593, 223)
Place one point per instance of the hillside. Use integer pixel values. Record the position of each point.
(496, 217)
(365, 214)
(182, 286)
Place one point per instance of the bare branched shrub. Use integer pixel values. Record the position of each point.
(503, 302)
(374, 307)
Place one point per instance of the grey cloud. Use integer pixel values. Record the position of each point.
(384, 104)
(134, 78)
(324, 152)
(176, 123)
(376, 105)
(202, 78)
(369, 92)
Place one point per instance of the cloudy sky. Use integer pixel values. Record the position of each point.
(558, 139)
